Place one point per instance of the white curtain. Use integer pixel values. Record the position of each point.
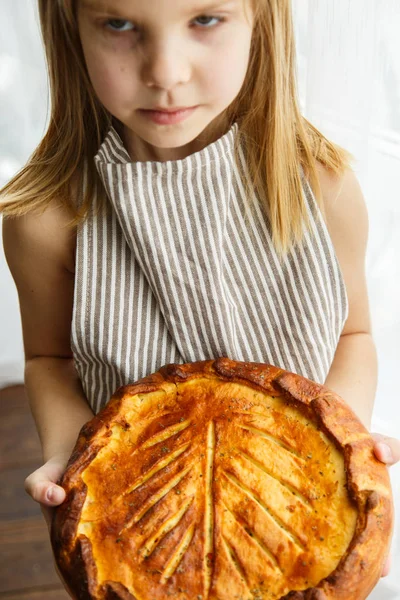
(349, 84)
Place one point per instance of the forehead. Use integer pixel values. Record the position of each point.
(182, 6)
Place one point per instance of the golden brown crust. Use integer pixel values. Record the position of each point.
(221, 479)
(116, 591)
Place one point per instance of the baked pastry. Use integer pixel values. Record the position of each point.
(223, 480)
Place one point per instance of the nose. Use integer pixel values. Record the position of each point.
(165, 65)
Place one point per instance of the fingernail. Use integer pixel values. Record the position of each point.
(386, 452)
(54, 494)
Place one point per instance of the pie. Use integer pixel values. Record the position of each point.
(223, 480)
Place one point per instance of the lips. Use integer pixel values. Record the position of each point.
(169, 110)
(169, 116)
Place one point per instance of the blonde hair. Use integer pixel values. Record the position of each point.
(276, 136)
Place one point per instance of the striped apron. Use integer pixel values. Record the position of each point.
(180, 270)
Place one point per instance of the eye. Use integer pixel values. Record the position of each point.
(208, 18)
(117, 25)
(121, 25)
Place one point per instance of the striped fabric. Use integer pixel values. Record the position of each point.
(180, 270)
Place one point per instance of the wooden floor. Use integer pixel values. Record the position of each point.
(26, 564)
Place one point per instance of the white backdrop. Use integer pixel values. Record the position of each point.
(349, 82)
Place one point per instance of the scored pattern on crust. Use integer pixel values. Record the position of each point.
(261, 544)
(270, 437)
(221, 480)
(209, 510)
(282, 481)
(284, 529)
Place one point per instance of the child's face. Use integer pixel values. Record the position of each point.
(143, 54)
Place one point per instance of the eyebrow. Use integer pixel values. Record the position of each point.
(99, 6)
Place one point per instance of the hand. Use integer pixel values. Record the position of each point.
(387, 450)
(38, 485)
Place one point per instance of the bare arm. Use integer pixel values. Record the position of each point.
(57, 402)
(353, 374)
(40, 254)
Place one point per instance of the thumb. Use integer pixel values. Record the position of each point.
(41, 484)
(387, 449)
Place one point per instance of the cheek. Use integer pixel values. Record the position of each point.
(113, 83)
(229, 69)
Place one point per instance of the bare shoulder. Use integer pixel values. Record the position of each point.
(39, 249)
(347, 223)
(346, 211)
(44, 235)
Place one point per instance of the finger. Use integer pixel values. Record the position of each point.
(383, 452)
(43, 490)
(386, 449)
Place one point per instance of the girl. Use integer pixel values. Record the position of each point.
(180, 208)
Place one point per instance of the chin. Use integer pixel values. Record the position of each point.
(169, 136)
